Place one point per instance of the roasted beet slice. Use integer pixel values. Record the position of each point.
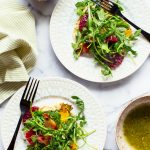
(83, 22)
(29, 135)
(35, 108)
(28, 115)
(44, 139)
(85, 48)
(116, 60)
(111, 39)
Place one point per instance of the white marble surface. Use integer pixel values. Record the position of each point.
(112, 96)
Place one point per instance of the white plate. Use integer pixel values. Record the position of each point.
(52, 91)
(61, 30)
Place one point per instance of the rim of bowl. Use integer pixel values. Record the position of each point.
(124, 109)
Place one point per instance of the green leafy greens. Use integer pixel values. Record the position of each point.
(100, 26)
(62, 137)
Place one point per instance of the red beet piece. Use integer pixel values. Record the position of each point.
(28, 115)
(44, 139)
(29, 135)
(83, 22)
(112, 39)
(116, 60)
(85, 48)
(35, 108)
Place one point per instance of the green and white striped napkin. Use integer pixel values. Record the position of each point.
(17, 46)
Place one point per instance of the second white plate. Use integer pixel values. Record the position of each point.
(52, 91)
(61, 34)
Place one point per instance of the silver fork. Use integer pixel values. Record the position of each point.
(113, 8)
(25, 103)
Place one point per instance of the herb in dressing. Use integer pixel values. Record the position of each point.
(137, 128)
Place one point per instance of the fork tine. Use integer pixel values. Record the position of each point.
(32, 90)
(35, 91)
(28, 90)
(106, 6)
(108, 2)
(108, 9)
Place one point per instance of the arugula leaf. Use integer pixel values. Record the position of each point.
(122, 24)
(105, 47)
(106, 71)
(119, 4)
(79, 102)
(135, 35)
(80, 7)
(101, 15)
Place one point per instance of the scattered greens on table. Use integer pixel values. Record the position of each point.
(55, 130)
(106, 37)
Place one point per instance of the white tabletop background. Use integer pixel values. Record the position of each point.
(112, 96)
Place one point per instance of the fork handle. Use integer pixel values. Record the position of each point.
(12, 144)
(146, 35)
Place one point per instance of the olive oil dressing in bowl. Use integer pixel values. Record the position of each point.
(133, 127)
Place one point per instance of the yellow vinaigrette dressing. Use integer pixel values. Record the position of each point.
(136, 127)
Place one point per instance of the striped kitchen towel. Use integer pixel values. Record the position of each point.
(17, 46)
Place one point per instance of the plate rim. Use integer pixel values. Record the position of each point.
(76, 74)
(65, 80)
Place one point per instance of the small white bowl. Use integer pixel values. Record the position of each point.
(120, 138)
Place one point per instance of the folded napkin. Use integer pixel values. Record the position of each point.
(17, 46)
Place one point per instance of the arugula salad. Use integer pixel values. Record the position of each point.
(108, 38)
(55, 128)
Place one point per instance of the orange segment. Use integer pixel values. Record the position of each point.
(74, 146)
(128, 32)
(64, 116)
(50, 124)
(65, 112)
